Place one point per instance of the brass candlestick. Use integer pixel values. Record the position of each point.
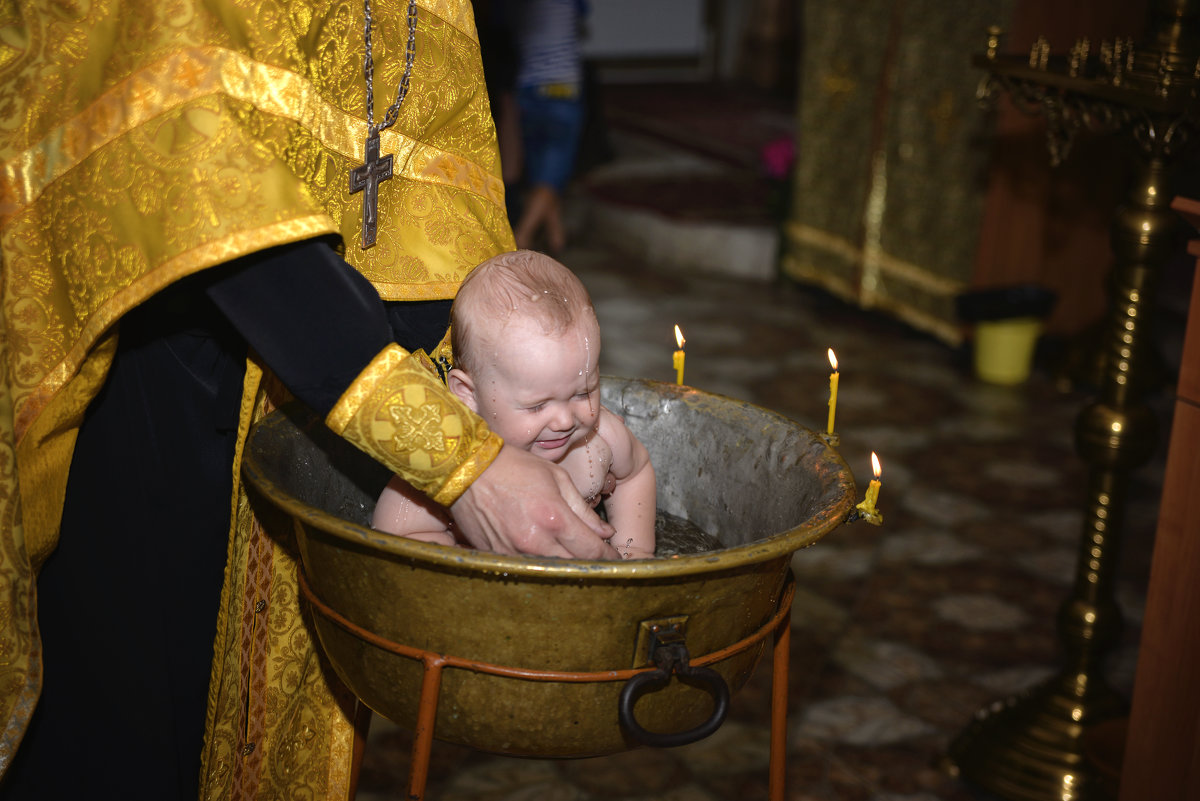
(1030, 747)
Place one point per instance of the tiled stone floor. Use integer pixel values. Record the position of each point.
(900, 633)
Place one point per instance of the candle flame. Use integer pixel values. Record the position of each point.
(832, 359)
(875, 464)
(679, 340)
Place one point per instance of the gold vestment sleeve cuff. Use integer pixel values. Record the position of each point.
(403, 416)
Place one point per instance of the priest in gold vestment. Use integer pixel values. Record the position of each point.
(181, 251)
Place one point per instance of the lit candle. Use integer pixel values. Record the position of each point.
(867, 507)
(833, 385)
(678, 360)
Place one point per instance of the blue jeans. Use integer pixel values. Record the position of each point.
(551, 125)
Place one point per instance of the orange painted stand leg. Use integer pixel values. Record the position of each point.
(431, 686)
(779, 699)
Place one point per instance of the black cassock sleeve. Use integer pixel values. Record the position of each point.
(315, 321)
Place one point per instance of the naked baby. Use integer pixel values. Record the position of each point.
(526, 349)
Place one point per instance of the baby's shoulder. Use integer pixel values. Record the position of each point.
(611, 424)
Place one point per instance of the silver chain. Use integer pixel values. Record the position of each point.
(389, 119)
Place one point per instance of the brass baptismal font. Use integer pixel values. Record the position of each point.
(1032, 746)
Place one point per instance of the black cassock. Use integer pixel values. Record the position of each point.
(128, 602)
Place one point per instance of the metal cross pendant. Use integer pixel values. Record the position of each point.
(366, 178)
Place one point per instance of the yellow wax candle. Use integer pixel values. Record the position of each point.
(867, 506)
(833, 386)
(678, 359)
(872, 495)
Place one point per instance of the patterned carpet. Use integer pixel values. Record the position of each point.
(725, 123)
(900, 633)
(738, 142)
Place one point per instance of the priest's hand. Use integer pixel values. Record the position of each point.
(522, 504)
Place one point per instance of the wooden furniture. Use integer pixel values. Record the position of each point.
(1162, 751)
(1052, 226)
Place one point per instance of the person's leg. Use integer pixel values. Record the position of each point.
(542, 213)
(551, 128)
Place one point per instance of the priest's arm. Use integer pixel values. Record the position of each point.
(321, 327)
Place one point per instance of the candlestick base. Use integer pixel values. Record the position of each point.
(861, 512)
(1030, 747)
(832, 440)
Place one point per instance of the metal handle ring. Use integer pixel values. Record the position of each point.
(671, 656)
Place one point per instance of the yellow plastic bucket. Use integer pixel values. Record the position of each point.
(1004, 349)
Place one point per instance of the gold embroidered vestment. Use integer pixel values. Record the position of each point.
(144, 141)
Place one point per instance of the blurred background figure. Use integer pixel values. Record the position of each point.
(549, 93)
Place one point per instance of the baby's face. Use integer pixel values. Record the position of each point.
(542, 393)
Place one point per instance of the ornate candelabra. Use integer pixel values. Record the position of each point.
(1031, 746)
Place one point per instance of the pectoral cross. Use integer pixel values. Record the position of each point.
(366, 178)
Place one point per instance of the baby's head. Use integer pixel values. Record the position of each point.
(521, 285)
(526, 351)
